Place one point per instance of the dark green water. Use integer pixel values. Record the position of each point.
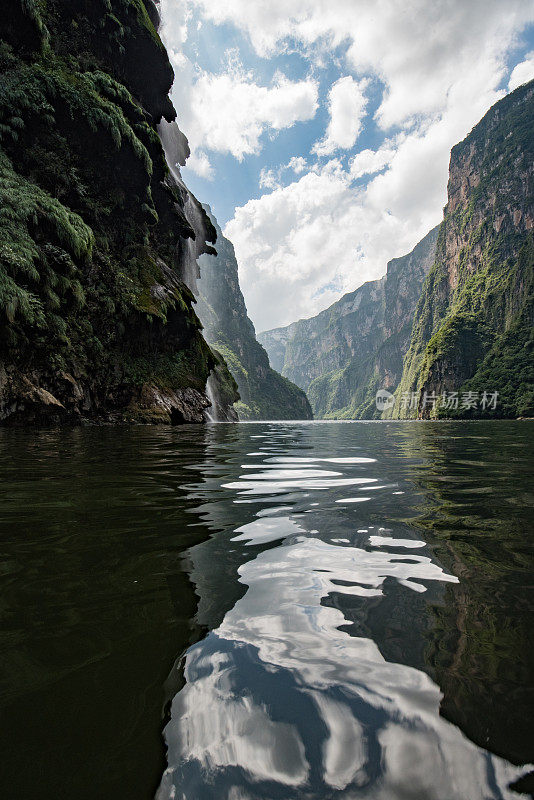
(294, 610)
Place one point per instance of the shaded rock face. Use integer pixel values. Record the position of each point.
(344, 354)
(473, 328)
(153, 405)
(97, 243)
(24, 402)
(221, 387)
(221, 307)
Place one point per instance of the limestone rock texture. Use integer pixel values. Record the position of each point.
(473, 328)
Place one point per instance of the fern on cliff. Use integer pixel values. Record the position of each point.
(90, 229)
(36, 275)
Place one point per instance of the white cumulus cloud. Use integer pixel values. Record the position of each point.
(300, 246)
(228, 111)
(522, 73)
(367, 162)
(434, 67)
(269, 179)
(298, 164)
(303, 245)
(346, 104)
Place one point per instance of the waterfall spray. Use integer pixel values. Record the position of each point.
(211, 413)
(176, 149)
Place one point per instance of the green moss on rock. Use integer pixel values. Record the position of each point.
(90, 227)
(475, 314)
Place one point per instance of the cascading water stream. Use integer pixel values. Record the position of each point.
(176, 150)
(211, 393)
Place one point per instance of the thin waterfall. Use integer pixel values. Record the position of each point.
(176, 149)
(211, 387)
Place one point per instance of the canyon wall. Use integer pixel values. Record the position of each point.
(96, 240)
(473, 328)
(346, 353)
(458, 309)
(264, 393)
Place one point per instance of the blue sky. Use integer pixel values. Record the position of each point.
(321, 130)
(235, 182)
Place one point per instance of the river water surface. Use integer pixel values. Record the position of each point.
(273, 610)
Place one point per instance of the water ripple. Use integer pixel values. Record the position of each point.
(289, 697)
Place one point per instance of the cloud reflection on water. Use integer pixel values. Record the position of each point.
(280, 702)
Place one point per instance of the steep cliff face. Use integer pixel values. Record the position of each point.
(345, 354)
(473, 329)
(96, 319)
(221, 307)
(221, 387)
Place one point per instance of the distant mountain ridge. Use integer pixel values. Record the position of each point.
(357, 345)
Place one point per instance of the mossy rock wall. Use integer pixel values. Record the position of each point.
(473, 329)
(91, 226)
